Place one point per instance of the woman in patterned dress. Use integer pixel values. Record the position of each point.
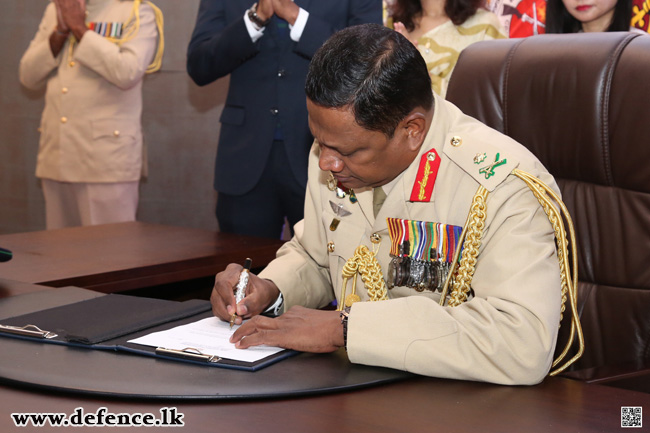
(441, 29)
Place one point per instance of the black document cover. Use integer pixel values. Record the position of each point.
(108, 322)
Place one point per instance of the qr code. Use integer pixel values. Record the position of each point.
(631, 416)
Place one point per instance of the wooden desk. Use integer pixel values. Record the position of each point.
(414, 405)
(417, 405)
(11, 288)
(126, 256)
(420, 404)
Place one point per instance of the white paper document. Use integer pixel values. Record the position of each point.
(211, 336)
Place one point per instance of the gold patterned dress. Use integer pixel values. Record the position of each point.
(442, 45)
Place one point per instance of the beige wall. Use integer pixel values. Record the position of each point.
(180, 122)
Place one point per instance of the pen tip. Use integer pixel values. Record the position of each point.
(248, 263)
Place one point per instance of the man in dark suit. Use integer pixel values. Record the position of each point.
(261, 168)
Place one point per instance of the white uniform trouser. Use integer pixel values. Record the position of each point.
(82, 204)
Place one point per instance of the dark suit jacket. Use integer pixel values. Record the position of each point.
(267, 80)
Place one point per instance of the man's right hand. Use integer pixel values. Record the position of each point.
(265, 9)
(61, 26)
(260, 294)
(71, 16)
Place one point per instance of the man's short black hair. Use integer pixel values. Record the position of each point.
(374, 70)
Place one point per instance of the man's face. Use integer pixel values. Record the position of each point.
(356, 156)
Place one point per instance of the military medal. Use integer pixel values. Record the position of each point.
(398, 266)
(340, 212)
(421, 253)
(107, 29)
(415, 276)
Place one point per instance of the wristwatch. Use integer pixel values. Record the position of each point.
(255, 19)
(345, 315)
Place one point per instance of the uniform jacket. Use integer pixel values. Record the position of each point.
(90, 127)
(506, 332)
(267, 80)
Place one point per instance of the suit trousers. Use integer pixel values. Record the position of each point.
(83, 204)
(262, 211)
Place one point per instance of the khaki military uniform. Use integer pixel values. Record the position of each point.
(506, 332)
(90, 128)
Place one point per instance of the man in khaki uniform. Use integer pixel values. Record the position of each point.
(92, 56)
(435, 166)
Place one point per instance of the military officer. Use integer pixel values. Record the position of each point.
(419, 222)
(92, 56)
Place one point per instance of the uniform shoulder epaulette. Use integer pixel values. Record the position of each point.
(487, 163)
(490, 165)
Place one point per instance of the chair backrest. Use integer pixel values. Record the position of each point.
(581, 104)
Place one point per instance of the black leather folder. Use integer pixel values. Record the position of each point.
(109, 322)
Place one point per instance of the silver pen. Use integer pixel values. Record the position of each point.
(240, 288)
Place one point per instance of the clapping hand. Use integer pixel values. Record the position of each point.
(285, 9)
(401, 29)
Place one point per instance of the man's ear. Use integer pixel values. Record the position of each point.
(415, 127)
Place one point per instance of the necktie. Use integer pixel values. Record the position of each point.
(378, 198)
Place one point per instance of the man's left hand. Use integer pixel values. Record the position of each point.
(300, 328)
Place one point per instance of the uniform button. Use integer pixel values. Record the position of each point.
(64, 90)
(64, 119)
(456, 141)
(375, 238)
(282, 73)
(72, 63)
(116, 133)
(274, 111)
(330, 247)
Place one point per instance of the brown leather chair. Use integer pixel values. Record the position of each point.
(581, 103)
